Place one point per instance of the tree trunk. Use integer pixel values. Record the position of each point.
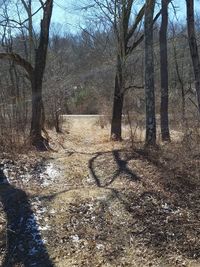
(116, 124)
(149, 74)
(164, 73)
(124, 31)
(38, 118)
(193, 47)
(180, 80)
(36, 73)
(37, 122)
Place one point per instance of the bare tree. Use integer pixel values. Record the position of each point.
(149, 74)
(124, 34)
(35, 74)
(193, 47)
(179, 73)
(118, 15)
(164, 72)
(28, 7)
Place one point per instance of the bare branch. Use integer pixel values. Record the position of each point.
(137, 21)
(133, 87)
(19, 61)
(141, 38)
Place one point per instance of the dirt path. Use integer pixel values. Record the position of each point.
(98, 203)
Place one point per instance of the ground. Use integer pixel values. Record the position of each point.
(92, 202)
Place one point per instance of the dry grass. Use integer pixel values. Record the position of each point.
(135, 208)
(113, 205)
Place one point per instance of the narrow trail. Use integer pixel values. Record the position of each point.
(101, 204)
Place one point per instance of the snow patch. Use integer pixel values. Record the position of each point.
(50, 175)
(75, 238)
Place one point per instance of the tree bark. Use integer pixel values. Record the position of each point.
(193, 47)
(164, 72)
(38, 118)
(123, 34)
(35, 75)
(149, 74)
(28, 7)
(19, 61)
(116, 124)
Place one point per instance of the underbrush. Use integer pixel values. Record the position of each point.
(116, 205)
(14, 143)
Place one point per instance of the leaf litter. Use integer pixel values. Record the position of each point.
(134, 212)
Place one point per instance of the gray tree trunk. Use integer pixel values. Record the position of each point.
(164, 73)
(193, 47)
(35, 74)
(116, 123)
(38, 118)
(124, 33)
(149, 74)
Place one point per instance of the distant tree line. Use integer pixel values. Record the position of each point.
(140, 62)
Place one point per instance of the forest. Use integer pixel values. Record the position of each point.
(99, 133)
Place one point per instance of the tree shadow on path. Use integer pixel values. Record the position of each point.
(121, 168)
(164, 207)
(24, 244)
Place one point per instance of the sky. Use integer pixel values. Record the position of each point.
(66, 13)
(67, 17)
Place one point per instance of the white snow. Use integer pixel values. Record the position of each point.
(75, 238)
(50, 175)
